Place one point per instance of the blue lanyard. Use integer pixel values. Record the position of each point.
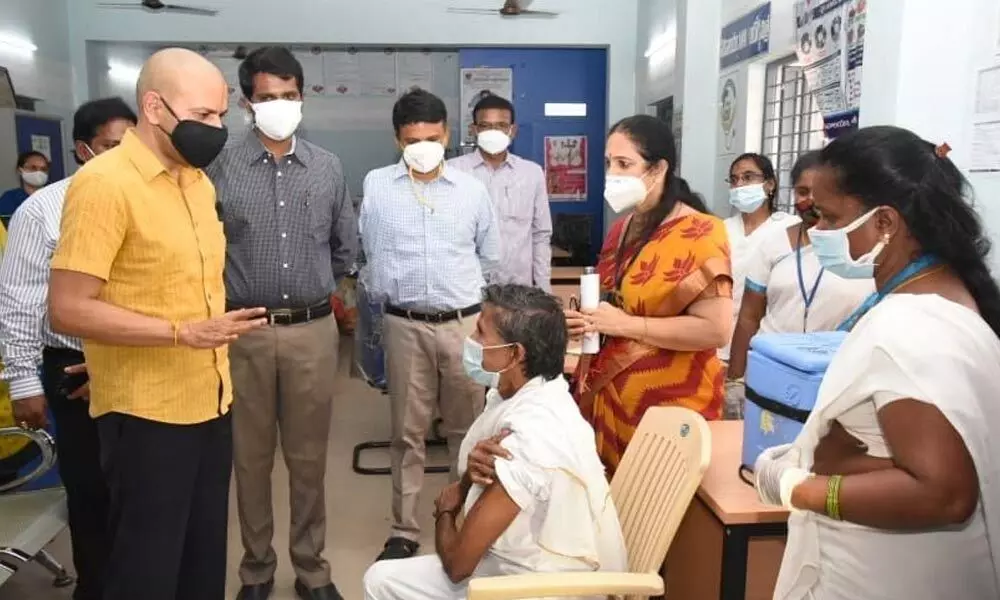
(807, 299)
(908, 272)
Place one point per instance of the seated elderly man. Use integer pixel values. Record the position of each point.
(544, 504)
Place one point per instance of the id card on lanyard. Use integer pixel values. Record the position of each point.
(807, 297)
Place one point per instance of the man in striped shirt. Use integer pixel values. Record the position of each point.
(430, 238)
(26, 339)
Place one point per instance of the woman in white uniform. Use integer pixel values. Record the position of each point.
(545, 504)
(786, 289)
(894, 484)
(753, 192)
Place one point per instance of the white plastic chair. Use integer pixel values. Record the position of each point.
(652, 488)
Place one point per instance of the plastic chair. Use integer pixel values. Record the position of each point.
(32, 519)
(652, 488)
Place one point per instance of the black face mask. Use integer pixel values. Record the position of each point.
(197, 143)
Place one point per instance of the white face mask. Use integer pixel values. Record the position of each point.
(748, 198)
(277, 119)
(35, 178)
(493, 141)
(833, 250)
(623, 192)
(424, 157)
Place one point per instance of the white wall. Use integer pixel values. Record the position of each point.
(655, 74)
(44, 74)
(374, 22)
(920, 73)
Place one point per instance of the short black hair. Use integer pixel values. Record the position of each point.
(272, 60)
(809, 160)
(493, 102)
(95, 114)
(22, 158)
(534, 319)
(418, 106)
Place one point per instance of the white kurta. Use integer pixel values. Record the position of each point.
(742, 249)
(935, 351)
(567, 521)
(773, 271)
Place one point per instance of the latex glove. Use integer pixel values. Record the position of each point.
(734, 399)
(777, 474)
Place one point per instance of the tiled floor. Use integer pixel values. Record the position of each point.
(357, 506)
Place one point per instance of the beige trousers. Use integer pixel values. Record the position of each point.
(424, 371)
(283, 380)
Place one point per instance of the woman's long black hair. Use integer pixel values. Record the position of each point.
(764, 164)
(890, 166)
(655, 142)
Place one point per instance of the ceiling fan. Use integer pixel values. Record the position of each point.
(158, 6)
(510, 8)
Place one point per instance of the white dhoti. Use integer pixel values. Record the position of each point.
(417, 578)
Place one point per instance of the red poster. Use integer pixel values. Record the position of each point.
(566, 167)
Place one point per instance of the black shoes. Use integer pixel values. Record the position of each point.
(397, 548)
(327, 592)
(260, 591)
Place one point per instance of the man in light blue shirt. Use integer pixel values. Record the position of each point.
(430, 238)
(520, 197)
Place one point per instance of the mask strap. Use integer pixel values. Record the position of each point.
(861, 220)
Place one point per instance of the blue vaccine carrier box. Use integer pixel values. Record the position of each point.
(784, 372)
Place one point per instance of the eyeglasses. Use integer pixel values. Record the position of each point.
(745, 178)
(505, 127)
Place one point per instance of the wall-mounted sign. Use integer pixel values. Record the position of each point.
(566, 167)
(830, 37)
(728, 111)
(746, 37)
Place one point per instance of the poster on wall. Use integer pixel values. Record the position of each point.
(677, 126)
(728, 112)
(746, 37)
(566, 167)
(480, 82)
(830, 46)
(43, 145)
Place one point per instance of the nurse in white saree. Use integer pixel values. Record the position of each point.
(893, 484)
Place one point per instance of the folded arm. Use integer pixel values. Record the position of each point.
(461, 550)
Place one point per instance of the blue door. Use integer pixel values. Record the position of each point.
(558, 75)
(33, 131)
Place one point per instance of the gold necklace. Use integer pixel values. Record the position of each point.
(916, 278)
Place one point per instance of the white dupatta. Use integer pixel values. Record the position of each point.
(947, 356)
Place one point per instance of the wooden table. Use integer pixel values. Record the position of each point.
(729, 545)
(566, 275)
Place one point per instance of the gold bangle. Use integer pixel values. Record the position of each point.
(833, 497)
(177, 331)
(645, 331)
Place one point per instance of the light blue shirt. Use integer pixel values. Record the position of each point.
(521, 202)
(429, 247)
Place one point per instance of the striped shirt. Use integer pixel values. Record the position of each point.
(291, 230)
(157, 243)
(24, 290)
(429, 246)
(521, 201)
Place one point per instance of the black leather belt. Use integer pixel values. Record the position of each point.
(295, 316)
(440, 317)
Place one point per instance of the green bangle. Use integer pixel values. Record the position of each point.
(833, 497)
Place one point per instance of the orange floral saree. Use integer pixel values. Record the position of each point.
(686, 258)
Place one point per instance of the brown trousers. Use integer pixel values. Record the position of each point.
(283, 380)
(424, 371)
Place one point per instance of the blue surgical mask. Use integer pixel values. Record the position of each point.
(747, 198)
(833, 250)
(472, 360)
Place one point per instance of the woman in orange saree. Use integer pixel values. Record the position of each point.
(665, 275)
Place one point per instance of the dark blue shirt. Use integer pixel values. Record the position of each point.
(9, 202)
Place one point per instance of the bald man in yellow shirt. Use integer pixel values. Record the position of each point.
(137, 275)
